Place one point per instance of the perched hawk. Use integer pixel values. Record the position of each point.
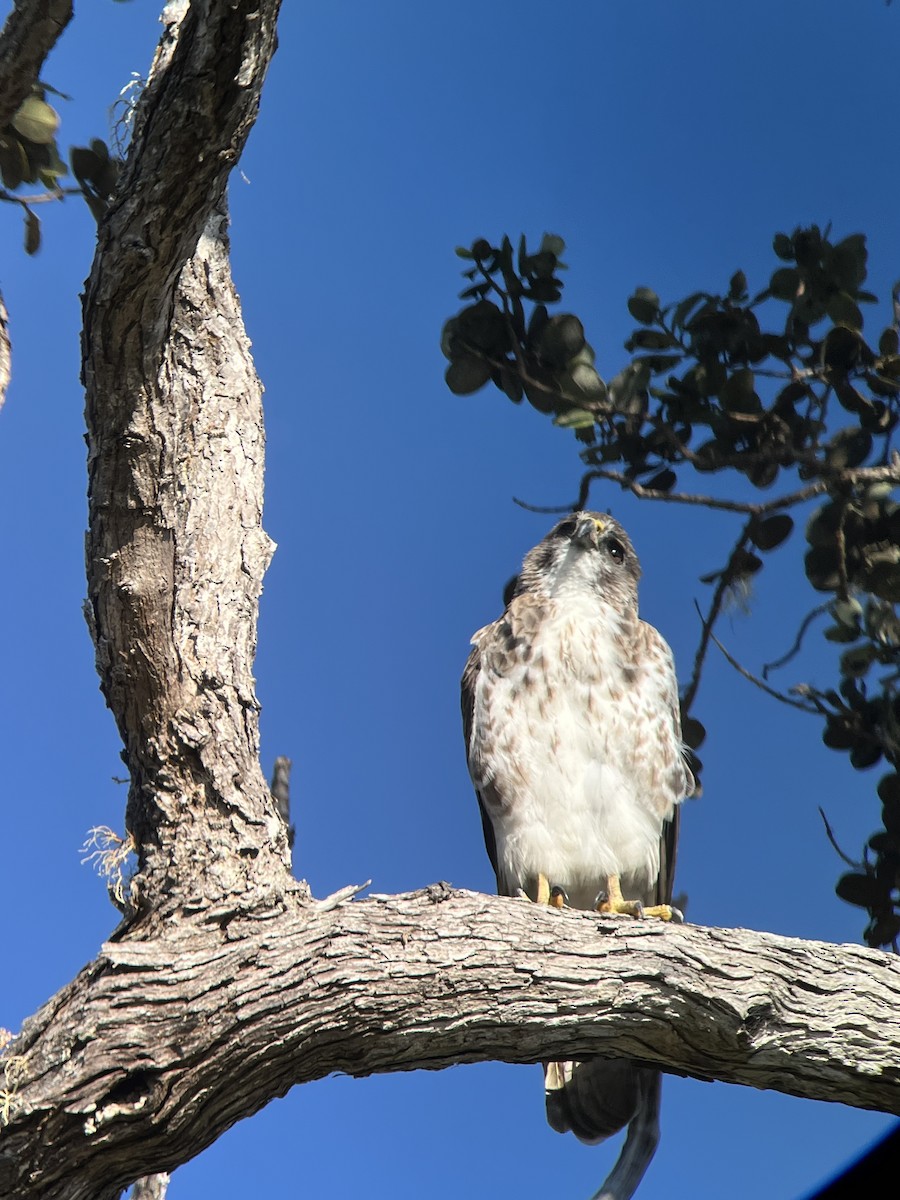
(573, 739)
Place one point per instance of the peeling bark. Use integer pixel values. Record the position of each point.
(227, 984)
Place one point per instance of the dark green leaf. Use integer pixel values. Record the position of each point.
(745, 562)
(856, 662)
(644, 305)
(693, 732)
(843, 310)
(467, 375)
(483, 326)
(511, 384)
(32, 232)
(837, 734)
(682, 310)
(737, 287)
(650, 339)
(762, 474)
(851, 399)
(659, 364)
(849, 448)
(889, 342)
(551, 243)
(883, 578)
(560, 339)
(847, 262)
(844, 349)
(13, 161)
(663, 482)
(865, 755)
(772, 531)
(861, 890)
(783, 247)
(821, 564)
(462, 252)
(784, 283)
(738, 393)
(840, 633)
(582, 382)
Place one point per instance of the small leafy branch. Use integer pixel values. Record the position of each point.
(779, 388)
(29, 155)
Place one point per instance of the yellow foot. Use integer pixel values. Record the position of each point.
(554, 896)
(614, 902)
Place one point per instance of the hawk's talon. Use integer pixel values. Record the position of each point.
(612, 901)
(558, 897)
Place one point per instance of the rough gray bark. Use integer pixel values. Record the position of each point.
(161, 1044)
(176, 550)
(227, 984)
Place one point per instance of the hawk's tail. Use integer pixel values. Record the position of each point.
(597, 1098)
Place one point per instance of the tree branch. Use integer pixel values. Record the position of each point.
(29, 33)
(159, 1045)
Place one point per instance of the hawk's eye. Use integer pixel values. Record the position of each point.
(616, 550)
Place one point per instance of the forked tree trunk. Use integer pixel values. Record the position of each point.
(226, 983)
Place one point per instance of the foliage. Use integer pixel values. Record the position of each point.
(29, 154)
(779, 387)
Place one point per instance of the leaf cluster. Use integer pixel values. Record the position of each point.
(29, 155)
(779, 386)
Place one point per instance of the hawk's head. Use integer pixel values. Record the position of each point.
(585, 553)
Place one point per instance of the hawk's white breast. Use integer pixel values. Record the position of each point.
(570, 725)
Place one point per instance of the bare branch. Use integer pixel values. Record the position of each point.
(857, 866)
(863, 475)
(798, 641)
(757, 682)
(725, 580)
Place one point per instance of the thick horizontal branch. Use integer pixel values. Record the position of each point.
(159, 1046)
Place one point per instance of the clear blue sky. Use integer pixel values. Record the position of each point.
(666, 143)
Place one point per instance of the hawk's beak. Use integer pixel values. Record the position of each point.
(588, 530)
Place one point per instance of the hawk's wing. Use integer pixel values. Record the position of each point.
(467, 697)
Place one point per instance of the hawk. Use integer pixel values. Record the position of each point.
(573, 740)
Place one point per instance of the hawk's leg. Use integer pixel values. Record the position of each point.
(614, 902)
(554, 896)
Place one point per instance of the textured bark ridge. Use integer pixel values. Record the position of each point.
(226, 984)
(175, 549)
(162, 1044)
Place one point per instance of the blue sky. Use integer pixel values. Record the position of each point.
(666, 143)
